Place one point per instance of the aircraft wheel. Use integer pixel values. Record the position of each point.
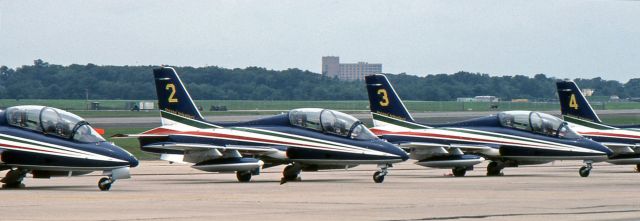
(459, 171)
(638, 167)
(243, 176)
(377, 177)
(13, 185)
(493, 169)
(290, 173)
(105, 184)
(584, 171)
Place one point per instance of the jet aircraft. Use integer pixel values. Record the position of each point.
(48, 142)
(508, 139)
(306, 139)
(624, 141)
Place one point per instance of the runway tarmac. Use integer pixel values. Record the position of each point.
(160, 191)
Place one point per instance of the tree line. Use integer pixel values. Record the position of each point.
(49, 81)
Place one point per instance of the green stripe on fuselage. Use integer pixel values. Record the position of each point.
(398, 122)
(586, 123)
(187, 121)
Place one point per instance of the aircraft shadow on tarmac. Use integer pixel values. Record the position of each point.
(74, 188)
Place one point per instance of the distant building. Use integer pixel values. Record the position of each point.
(479, 99)
(332, 67)
(486, 99)
(588, 92)
(520, 100)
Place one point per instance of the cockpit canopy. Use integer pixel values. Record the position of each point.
(332, 122)
(52, 121)
(537, 122)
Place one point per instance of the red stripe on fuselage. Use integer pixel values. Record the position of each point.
(165, 131)
(379, 132)
(610, 135)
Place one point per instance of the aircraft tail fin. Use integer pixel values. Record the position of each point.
(174, 101)
(573, 103)
(385, 104)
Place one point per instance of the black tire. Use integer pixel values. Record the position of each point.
(243, 176)
(377, 178)
(459, 171)
(104, 184)
(492, 169)
(584, 171)
(17, 185)
(637, 167)
(289, 174)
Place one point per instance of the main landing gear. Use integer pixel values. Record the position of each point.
(378, 176)
(243, 176)
(14, 178)
(495, 168)
(586, 169)
(638, 167)
(291, 173)
(459, 171)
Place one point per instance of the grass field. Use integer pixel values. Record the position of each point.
(130, 144)
(241, 107)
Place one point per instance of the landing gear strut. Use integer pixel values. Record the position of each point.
(378, 176)
(290, 173)
(104, 184)
(14, 178)
(586, 169)
(459, 171)
(243, 176)
(495, 168)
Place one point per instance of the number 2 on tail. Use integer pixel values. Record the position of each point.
(172, 88)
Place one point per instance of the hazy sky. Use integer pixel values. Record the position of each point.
(562, 38)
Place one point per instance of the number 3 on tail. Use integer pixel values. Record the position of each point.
(172, 88)
(385, 99)
(572, 102)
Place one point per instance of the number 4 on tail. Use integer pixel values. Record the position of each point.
(572, 102)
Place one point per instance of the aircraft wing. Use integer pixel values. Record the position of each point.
(462, 147)
(620, 148)
(137, 135)
(256, 150)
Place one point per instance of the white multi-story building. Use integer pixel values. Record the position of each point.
(332, 67)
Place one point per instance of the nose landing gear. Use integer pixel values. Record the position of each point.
(104, 184)
(586, 169)
(378, 176)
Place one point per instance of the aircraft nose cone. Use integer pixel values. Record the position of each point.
(397, 151)
(133, 162)
(599, 147)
